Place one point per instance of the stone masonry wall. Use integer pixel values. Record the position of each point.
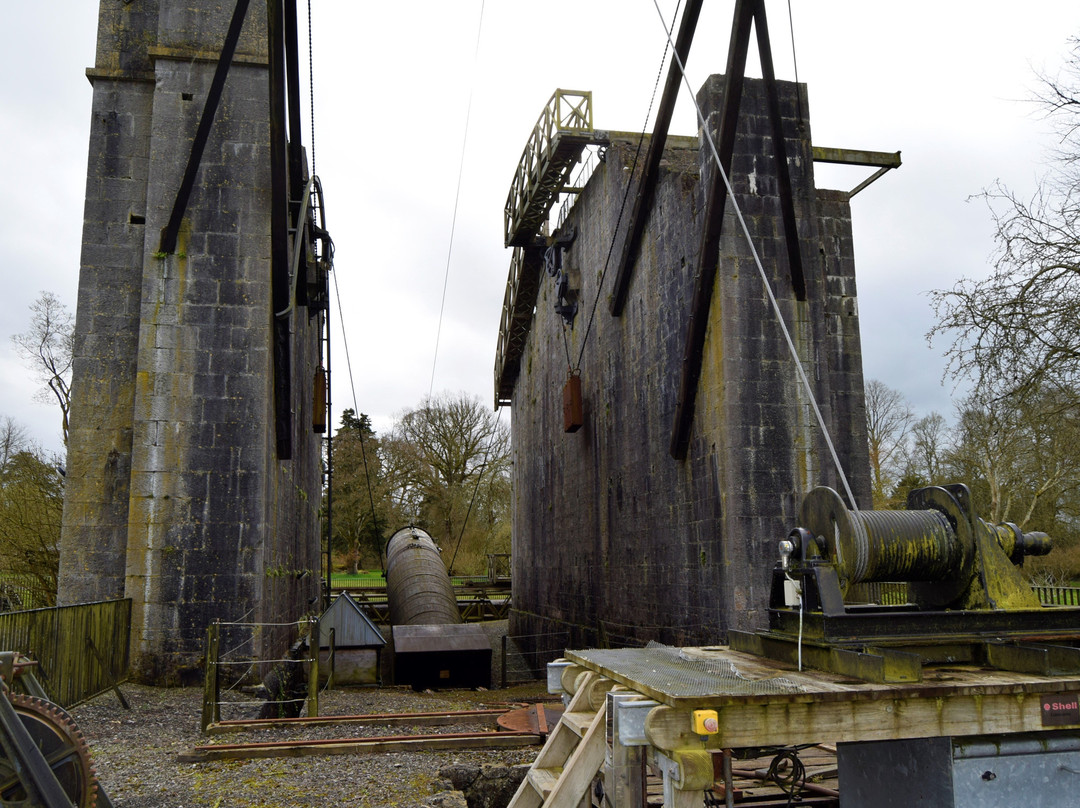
(615, 542)
(175, 496)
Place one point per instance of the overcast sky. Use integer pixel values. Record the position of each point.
(947, 84)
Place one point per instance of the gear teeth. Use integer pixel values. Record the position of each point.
(63, 726)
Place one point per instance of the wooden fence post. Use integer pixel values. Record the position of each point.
(211, 710)
(331, 657)
(313, 670)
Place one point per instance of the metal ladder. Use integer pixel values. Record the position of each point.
(562, 773)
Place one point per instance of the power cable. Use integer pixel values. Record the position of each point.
(356, 409)
(457, 199)
(795, 62)
(626, 192)
(761, 271)
(483, 467)
(311, 84)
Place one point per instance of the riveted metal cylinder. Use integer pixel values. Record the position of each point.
(418, 588)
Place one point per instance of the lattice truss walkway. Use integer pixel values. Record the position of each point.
(554, 148)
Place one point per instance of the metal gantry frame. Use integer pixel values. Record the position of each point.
(564, 129)
(562, 132)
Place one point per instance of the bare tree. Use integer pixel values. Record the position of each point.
(47, 347)
(929, 443)
(453, 456)
(888, 421)
(1018, 331)
(12, 439)
(1019, 456)
(31, 501)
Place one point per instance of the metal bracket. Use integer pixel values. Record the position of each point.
(631, 710)
(554, 676)
(1037, 658)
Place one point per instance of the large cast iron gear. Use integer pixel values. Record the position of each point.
(64, 748)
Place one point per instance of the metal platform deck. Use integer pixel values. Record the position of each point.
(765, 703)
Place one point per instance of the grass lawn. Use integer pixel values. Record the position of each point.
(364, 579)
(373, 579)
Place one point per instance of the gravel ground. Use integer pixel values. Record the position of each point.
(135, 752)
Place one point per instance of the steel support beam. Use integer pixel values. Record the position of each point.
(643, 200)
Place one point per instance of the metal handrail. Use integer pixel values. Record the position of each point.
(566, 111)
(506, 320)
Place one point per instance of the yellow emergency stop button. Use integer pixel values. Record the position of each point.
(706, 722)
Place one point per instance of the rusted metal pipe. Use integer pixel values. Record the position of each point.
(418, 587)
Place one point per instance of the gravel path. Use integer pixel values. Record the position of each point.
(135, 752)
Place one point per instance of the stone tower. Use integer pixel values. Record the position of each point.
(615, 541)
(193, 476)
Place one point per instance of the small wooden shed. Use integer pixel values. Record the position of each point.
(357, 643)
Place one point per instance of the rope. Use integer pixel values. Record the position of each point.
(566, 347)
(457, 198)
(764, 278)
(626, 193)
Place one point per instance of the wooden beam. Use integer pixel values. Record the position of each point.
(384, 720)
(643, 201)
(202, 134)
(353, 746)
(856, 157)
(887, 718)
(783, 172)
(279, 230)
(709, 252)
(746, 12)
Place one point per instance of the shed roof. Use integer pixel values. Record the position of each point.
(352, 628)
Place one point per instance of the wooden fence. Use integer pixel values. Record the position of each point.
(81, 650)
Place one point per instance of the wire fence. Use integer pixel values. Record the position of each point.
(498, 574)
(525, 656)
(240, 682)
